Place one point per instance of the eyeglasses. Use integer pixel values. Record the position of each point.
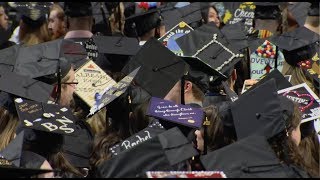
(75, 82)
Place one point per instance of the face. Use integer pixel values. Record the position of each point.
(68, 90)
(296, 135)
(213, 16)
(4, 23)
(55, 25)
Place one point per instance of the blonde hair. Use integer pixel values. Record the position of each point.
(114, 19)
(98, 122)
(8, 124)
(31, 36)
(298, 76)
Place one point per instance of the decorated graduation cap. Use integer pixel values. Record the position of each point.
(297, 45)
(248, 157)
(259, 112)
(45, 117)
(33, 13)
(162, 152)
(78, 9)
(160, 68)
(189, 14)
(208, 44)
(145, 21)
(267, 10)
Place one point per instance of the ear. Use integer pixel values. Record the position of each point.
(187, 86)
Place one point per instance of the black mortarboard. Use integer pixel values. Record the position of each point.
(159, 153)
(78, 9)
(314, 9)
(281, 81)
(210, 45)
(25, 87)
(145, 21)
(17, 172)
(8, 58)
(160, 68)
(77, 149)
(117, 45)
(236, 35)
(258, 112)
(45, 117)
(299, 11)
(189, 14)
(297, 45)
(249, 157)
(32, 13)
(12, 152)
(267, 10)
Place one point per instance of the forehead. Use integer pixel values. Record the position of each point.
(212, 10)
(53, 14)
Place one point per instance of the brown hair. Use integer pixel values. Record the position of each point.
(8, 124)
(60, 12)
(116, 18)
(197, 93)
(30, 36)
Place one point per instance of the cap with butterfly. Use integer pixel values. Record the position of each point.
(33, 13)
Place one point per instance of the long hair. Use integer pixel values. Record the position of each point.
(30, 36)
(285, 148)
(8, 124)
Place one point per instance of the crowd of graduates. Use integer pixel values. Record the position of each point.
(159, 89)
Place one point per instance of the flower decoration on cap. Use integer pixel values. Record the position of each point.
(267, 50)
(147, 5)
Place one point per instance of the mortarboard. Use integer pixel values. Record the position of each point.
(117, 45)
(17, 172)
(160, 68)
(159, 153)
(314, 9)
(145, 21)
(12, 152)
(8, 58)
(78, 9)
(34, 13)
(267, 10)
(281, 81)
(248, 157)
(258, 112)
(209, 44)
(25, 87)
(236, 35)
(189, 14)
(45, 117)
(299, 11)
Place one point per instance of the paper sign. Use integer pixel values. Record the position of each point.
(308, 101)
(262, 61)
(45, 117)
(177, 113)
(169, 39)
(107, 95)
(91, 81)
(147, 133)
(185, 174)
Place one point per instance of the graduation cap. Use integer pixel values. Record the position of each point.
(247, 158)
(258, 112)
(162, 152)
(236, 35)
(45, 117)
(17, 172)
(23, 86)
(314, 9)
(189, 14)
(267, 10)
(33, 13)
(78, 9)
(297, 45)
(145, 21)
(299, 11)
(157, 63)
(117, 45)
(210, 45)
(8, 58)
(281, 81)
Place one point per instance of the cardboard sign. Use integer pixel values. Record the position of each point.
(91, 80)
(45, 117)
(147, 133)
(308, 101)
(109, 94)
(169, 39)
(185, 174)
(177, 113)
(262, 61)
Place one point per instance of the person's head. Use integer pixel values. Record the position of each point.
(8, 123)
(79, 15)
(268, 18)
(211, 14)
(56, 24)
(4, 19)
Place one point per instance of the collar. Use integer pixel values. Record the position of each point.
(141, 43)
(78, 34)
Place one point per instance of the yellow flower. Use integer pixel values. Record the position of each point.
(315, 57)
(227, 16)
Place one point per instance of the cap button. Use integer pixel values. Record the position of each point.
(258, 115)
